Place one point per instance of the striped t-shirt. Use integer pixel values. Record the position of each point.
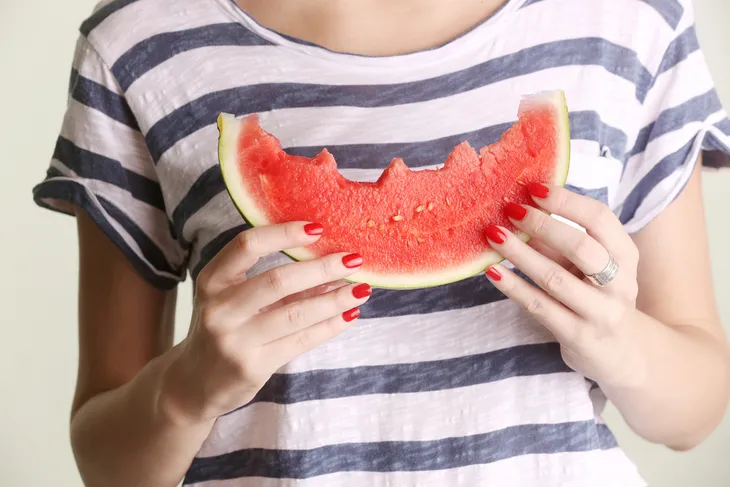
(453, 385)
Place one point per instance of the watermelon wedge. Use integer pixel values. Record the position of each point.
(414, 229)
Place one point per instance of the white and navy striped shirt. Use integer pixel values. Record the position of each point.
(446, 386)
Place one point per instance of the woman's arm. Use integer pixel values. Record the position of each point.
(119, 434)
(651, 337)
(683, 394)
(142, 409)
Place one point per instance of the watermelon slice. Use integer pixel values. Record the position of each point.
(414, 229)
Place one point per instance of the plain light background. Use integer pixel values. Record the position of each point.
(38, 348)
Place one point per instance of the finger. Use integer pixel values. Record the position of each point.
(577, 246)
(315, 291)
(598, 220)
(284, 350)
(276, 284)
(561, 321)
(296, 316)
(553, 278)
(554, 255)
(240, 254)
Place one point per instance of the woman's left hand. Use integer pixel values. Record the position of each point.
(593, 324)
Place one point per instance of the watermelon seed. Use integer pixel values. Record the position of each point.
(397, 218)
(448, 201)
(430, 207)
(420, 240)
(420, 208)
(506, 199)
(382, 227)
(520, 182)
(371, 224)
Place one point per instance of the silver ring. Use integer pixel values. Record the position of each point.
(608, 273)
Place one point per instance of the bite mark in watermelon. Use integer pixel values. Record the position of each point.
(414, 229)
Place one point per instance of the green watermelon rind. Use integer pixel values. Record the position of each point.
(229, 129)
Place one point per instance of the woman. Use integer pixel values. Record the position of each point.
(455, 385)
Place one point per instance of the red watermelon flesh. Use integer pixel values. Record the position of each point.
(413, 228)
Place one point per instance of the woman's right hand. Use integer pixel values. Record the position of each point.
(243, 330)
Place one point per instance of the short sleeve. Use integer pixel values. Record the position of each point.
(681, 118)
(102, 166)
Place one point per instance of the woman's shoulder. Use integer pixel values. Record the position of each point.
(641, 25)
(114, 28)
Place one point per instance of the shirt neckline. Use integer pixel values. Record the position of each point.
(460, 45)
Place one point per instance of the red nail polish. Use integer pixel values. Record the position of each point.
(362, 291)
(351, 314)
(313, 229)
(352, 260)
(495, 234)
(515, 211)
(538, 190)
(493, 274)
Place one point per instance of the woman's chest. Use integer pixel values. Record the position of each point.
(373, 27)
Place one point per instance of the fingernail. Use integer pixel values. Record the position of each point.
(538, 190)
(351, 314)
(515, 211)
(352, 260)
(493, 274)
(362, 291)
(313, 229)
(495, 234)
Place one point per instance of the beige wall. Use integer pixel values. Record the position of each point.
(37, 290)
